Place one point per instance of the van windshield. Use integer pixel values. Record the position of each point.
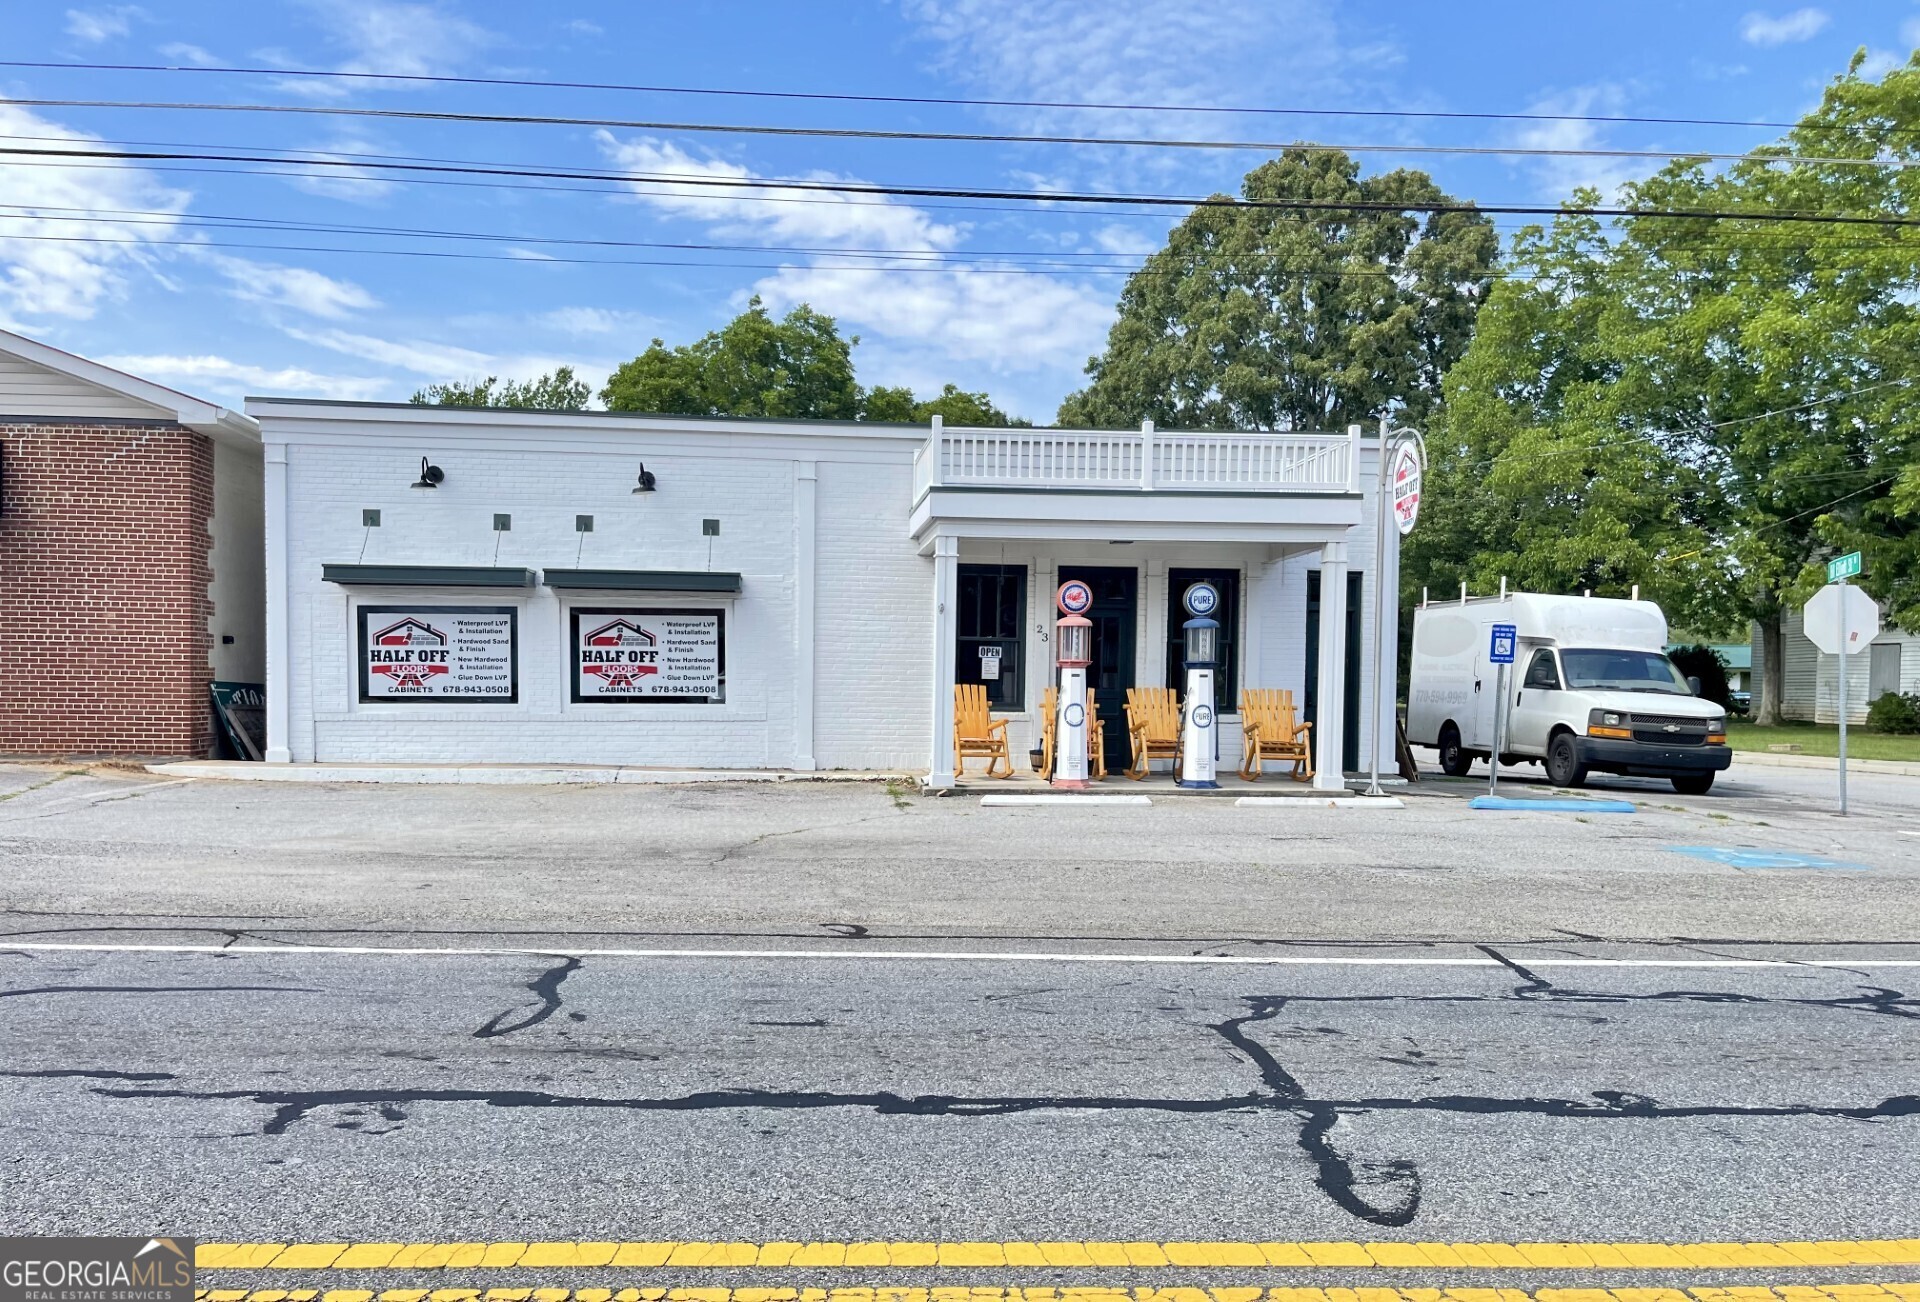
(1622, 671)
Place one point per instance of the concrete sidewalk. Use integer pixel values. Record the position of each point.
(499, 774)
(1768, 759)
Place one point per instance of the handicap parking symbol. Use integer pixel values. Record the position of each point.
(1734, 857)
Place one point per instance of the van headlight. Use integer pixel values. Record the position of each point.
(1608, 723)
(1717, 731)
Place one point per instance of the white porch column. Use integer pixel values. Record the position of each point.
(279, 675)
(1329, 725)
(946, 592)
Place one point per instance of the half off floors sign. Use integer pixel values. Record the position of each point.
(439, 653)
(631, 654)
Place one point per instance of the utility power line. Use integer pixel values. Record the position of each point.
(951, 101)
(962, 137)
(682, 181)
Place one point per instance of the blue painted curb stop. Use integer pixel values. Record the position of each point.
(1561, 806)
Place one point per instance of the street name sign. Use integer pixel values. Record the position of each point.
(1843, 567)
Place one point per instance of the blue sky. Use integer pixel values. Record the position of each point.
(140, 273)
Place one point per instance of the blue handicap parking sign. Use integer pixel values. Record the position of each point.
(1735, 857)
(1504, 637)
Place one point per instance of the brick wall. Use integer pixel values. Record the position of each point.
(103, 589)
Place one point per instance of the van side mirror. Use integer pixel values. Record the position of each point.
(1693, 684)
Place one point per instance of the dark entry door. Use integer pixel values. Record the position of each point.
(1115, 616)
(1350, 734)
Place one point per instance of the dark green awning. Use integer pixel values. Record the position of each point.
(430, 576)
(645, 580)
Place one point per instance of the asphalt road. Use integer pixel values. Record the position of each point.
(849, 1015)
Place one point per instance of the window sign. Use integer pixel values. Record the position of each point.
(990, 664)
(439, 653)
(647, 655)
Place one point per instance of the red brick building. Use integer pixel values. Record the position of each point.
(131, 560)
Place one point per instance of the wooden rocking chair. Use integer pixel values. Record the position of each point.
(1270, 732)
(977, 732)
(1049, 720)
(1153, 728)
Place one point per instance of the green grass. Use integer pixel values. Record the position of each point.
(1823, 739)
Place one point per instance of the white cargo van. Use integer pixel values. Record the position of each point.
(1591, 690)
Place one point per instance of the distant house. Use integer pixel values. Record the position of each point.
(1736, 656)
(1810, 685)
(132, 568)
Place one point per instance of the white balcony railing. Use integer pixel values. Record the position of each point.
(1141, 460)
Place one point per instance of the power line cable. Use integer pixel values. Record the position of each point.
(956, 192)
(961, 137)
(949, 101)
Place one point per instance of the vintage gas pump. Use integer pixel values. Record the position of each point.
(1072, 644)
(1203, 656)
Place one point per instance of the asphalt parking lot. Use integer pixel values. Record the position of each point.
(1763, 857)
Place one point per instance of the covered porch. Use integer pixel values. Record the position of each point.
(1280, 523)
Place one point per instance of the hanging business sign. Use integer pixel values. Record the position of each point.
(647, 655)
(1403, 482)
(439, 653)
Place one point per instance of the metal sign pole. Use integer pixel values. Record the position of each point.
(1379, 607)
(1843, 698)
(1499, 715)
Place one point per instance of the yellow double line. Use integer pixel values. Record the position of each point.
(908, 1255)
(1783, 1293)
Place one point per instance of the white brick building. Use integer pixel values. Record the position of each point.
(830, 581)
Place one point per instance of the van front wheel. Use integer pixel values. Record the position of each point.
(1694, 784)
(1454, 760)
(1564, 768)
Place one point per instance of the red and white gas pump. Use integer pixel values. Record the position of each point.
(1072, 648)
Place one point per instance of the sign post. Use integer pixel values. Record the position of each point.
(1500, 651)
(1839, 620)
(1397, 494)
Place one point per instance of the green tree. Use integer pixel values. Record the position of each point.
(798, 366)
(1271, 318)
(1708, 406)
(559, 391)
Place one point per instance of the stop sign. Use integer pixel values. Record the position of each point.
(1822, 618)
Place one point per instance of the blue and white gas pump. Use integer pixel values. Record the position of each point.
(1202, 658)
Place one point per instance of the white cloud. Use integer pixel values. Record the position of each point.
(1559, 177)
(297, 289)
(96, 25)
(1154, 52)
(351, 183)
(443, 362)
(389, 39)
(585, 27)
(221, 376)
(1012, 322)
(1788, 29)
(77, 262)
(181, 52)
(578, 321)
(772, 214)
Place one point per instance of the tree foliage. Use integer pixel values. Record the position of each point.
(1269, 318)
(560, 390)
(798, 366)
(1705, 406)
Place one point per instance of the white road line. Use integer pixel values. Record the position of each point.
(957, 956)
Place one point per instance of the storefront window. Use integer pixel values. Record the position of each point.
(992, 620)
(1226, 679)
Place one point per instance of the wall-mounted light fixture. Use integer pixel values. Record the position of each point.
(646, 480)
(430, 475)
